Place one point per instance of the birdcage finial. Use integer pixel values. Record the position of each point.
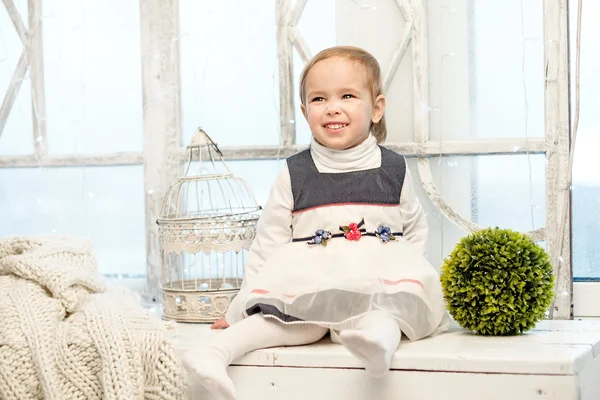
(201, 139)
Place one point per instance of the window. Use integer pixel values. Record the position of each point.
(474, 118)
(486, 87)
(91, 82)
(586, 176)
(229, 82)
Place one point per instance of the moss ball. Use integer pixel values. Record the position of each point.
(497, 282)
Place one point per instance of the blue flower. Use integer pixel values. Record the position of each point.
(321, 237)
(385, 234)
(384, 229)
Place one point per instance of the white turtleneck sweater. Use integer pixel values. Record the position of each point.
(275, 224)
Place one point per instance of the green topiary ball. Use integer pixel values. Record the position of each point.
(497, 282)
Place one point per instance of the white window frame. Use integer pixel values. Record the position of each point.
(163, 153)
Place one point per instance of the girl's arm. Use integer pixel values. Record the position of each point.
(274, 228)
(413, 216)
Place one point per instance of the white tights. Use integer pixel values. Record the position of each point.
(373, 339)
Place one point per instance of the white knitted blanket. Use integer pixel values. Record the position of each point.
(65, 335)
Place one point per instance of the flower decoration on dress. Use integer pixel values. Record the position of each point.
(353, 231)
(385, 234)
(321, 236)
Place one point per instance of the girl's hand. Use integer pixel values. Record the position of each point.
(220, 324)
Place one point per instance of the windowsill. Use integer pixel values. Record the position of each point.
(557, 359)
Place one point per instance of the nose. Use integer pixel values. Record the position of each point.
(333, 108)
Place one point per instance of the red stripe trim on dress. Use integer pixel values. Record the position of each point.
(387, 282)
(344, 204)
(262, 291)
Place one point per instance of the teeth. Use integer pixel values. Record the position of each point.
(335, 126)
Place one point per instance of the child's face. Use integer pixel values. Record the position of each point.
(338, 104)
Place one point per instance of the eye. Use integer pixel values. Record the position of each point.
(317, 99)
(347, 96)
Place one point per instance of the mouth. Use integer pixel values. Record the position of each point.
(335, 128)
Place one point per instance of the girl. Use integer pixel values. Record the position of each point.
(341, 243)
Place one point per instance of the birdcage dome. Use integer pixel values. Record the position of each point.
(208, 208)
(206, 227)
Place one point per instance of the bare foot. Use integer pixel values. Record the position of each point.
(220, 324)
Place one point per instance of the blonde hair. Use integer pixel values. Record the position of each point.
(363, 58)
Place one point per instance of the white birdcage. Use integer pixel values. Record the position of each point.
(207, 224)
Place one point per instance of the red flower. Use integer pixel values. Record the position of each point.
(353, 234)
(352, 231)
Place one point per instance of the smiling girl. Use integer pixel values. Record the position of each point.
(341, 244)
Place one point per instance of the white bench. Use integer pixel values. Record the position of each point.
(557, 360)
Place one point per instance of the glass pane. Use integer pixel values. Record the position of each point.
(105, 204)
(586, 175)
(488, 190)
(321, 14)
(10, 47)
(17, 135)
(449, 41)
(506, 69)
(443, 234)
(486, 69)
(229, 71)
(509, 191)
(93, 76)
(586, 230)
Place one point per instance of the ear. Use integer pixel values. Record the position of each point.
(304, 111)
(378, 109)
